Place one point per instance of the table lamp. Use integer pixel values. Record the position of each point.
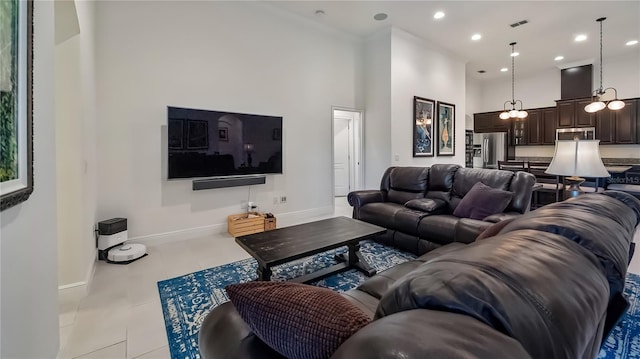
(576, 158)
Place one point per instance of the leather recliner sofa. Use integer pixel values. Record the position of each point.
(415, 204)
(544, 287)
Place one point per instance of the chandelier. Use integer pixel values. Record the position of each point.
(597, 103)
(513, 112)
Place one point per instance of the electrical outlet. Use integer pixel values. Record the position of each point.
(251, 206)
(283, 199)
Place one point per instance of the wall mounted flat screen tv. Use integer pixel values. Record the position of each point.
(204, 143)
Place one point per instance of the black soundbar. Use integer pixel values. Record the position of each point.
(210, 183)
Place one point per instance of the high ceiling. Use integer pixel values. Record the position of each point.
(550, 32)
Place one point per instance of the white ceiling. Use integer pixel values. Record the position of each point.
(550, 32)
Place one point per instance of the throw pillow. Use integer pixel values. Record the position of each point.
(297, 320)
(482, 201)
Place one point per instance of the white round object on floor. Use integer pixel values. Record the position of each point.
(126, 252)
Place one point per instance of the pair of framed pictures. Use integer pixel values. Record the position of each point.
(433, 130)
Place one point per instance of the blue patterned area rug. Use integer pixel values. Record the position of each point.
(186, 300)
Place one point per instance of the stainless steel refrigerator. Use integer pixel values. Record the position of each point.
(494, 147)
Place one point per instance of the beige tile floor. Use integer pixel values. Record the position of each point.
(121, 317)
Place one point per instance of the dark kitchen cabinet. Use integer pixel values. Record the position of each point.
(539, 128)
(549, 116)
(620, 126)
(626, 123)
(489, 122)
(534, 127)
(605, 126)
(519, 131)
(571, 113)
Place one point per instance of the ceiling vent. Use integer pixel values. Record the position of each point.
(516, 24)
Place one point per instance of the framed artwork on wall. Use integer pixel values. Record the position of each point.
(446, 129)
(423, 115)
(197, 135)
(16, 103)
(223, 134)
(176, 134)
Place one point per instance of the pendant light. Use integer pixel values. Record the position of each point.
(513, 112)
(597, 104)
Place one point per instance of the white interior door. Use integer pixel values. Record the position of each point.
(341, 156)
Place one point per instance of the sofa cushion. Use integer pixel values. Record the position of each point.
(406, 183)
(378, 285)
(297, 320)
(600, 224)
(438, 229)
(427, 204)
(466, 178)
(528, 285)
(441, 181)
(482, 201)
(381, 214)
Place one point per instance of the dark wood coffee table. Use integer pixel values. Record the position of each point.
(287, 244)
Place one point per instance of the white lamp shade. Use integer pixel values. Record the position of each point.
(504, 115)
(595, 107)
(616, 105)
(523, 114)
(577, 158)
(513, 113)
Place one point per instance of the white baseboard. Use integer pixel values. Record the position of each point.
(71, 285)
(87, 279)
(284, 219)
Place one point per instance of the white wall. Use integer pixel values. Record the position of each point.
(377, 121)
(419, 68)
(28, 247)
(230, 56)
(539, 90)
(473, 93)
(75, 142)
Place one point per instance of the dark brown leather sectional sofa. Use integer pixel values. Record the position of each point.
(440, 187)
(548, 285)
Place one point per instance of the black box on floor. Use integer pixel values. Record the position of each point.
(112, 226)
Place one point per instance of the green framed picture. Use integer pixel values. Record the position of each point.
(16, 106)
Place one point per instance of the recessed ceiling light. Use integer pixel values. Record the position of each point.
(438, 15)
(558, 58)
(580, 37)
(380, 16)
(515, 53)
(319, 12)
(481, 71)
(632, 42)
(476, 37)
(504, 69)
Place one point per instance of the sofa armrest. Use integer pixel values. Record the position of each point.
(224, 334)
(468, 229)
(357, 199)
(499, 217)
(450, 335)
